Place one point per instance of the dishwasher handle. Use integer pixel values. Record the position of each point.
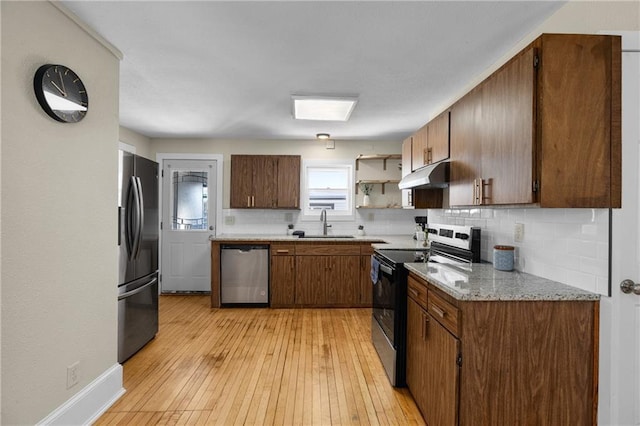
(244, 247)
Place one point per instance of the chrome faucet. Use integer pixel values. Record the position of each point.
(323, 219)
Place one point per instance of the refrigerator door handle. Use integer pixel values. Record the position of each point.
(129, 222)
(137, 290)
(137, 225)
(140, 215)
(119, 225)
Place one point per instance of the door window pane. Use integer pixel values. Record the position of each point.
(189, 200)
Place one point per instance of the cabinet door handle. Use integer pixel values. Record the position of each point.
(282, 251)
(253, 201)
(478, 189)
(425, 326)
(438, 311)
(248, 200)
(475, 192)
(429, 155)
(414, 292)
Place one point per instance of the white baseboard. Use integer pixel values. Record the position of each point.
(90, 403)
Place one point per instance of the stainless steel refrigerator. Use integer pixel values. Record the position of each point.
(138, 253)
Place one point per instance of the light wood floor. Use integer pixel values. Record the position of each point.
(259, 367)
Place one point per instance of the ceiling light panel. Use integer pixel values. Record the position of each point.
(323, 108)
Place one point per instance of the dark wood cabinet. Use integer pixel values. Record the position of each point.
(415, 352)
(283, 275)
(342, 280)
(419, 148)
(328, 275)
(288, 181)
(501, 362)
(543, 129)
(407, 199)
(366, 286)
(424, 198)
(310, 274)
(310, 281)
(438, 139)
(432, 363)
(265, 181)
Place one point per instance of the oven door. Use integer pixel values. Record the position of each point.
(384, 299)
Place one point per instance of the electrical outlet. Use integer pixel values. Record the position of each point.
(518, 232)
(73, 374)
(288, 217)
(370, 217)
(229, 220)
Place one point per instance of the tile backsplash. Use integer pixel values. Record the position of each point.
(375, 222)
(566, 245)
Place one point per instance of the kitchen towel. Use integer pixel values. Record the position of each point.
(375, 269)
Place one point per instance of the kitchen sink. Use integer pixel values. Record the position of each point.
(327, 236)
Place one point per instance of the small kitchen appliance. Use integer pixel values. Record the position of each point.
(457, 245)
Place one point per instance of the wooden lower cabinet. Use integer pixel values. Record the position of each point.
(342, 283)
(283, 276)
(432, 366)
(327, 280)
(310, 281)
(501, 362)
(415, 352)
(308, 274)
(366, 286)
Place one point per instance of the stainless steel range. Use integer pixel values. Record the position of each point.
(448, 244)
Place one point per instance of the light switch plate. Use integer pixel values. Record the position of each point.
(229, 220)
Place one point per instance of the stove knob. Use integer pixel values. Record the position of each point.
(462, 236)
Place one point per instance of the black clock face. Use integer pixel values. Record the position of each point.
(61, 93)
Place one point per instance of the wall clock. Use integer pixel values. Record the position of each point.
(61, 93)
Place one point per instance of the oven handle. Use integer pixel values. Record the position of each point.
(386, 269)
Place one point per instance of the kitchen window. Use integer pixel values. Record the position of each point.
(327, 185)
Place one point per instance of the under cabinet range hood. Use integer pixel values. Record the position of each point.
(434, 175)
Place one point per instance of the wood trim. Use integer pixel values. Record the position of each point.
(616, 122)
(215, 274)
(324, 249)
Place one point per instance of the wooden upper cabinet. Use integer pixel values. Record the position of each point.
(466, 160)
(265, 181)
(241, 181)
(288, 195)
(406, 156)
(492, 138)
(419, 149)
(438, 139)
(579, 108)
(543, 129)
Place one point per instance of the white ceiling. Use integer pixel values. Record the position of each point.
(219, 69)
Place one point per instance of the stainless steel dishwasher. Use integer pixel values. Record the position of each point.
(244, 274)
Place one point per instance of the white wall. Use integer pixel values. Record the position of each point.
(141, 142)
(308, 149)
(376, 221)
(59, 270)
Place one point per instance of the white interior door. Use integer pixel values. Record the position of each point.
(188, 219)
(620, 319)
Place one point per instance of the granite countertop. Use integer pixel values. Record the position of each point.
(481, 282)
